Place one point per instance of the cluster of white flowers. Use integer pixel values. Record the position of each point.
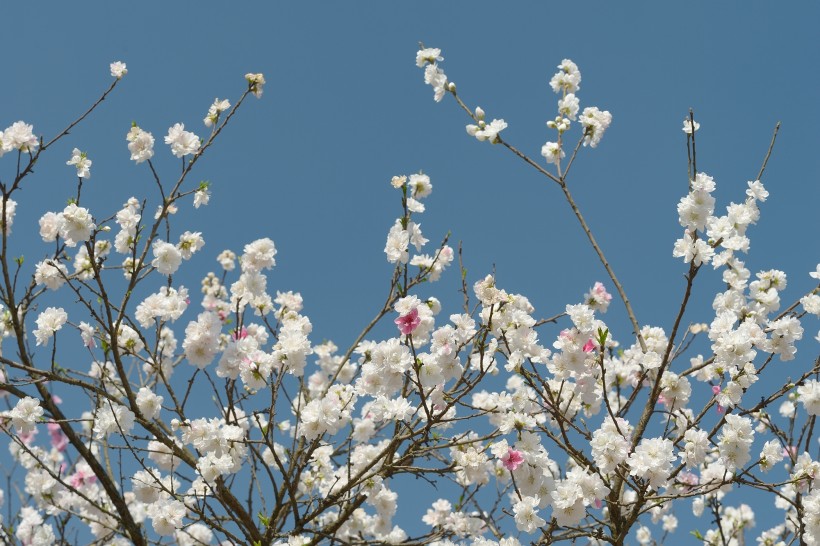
(428, 59)
(118, 69)
(25, 415)
(595, 122)
(566, 82)
(442, 515)
(149, 403)
(406, 232)
(486, 131)
(327, 414)
(415, 395)
(202, 342)
(167, 304)
(256, 83)
(182, 142)
(48, 322)
(10, 206)
(733, 522)
(567, 79)
(140, 144)
(611, 444)
(293, 346)
(220, 443)
(214, 111)
(74, 224)
(167, 257)
(33, 530)
(50, 273)
(128, 219)
(652, 461)
(81, 162)
(735, 441)
(19, 136)
(112, 418)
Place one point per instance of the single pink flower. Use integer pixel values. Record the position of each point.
(243, 333)
(688, 478)
(715, 389)
(661, 399)
(409, 322)
(59, 441)
(512, 460)
(589, 346)
(600, 290)
(80, 478)
(27, 437)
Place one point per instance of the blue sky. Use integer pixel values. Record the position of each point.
(345, 109)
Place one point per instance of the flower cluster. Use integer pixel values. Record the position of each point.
(546, 427)
(406, 232)
(428, 59)
(182, 142)
(81, 162)
(215, 110)
(20, 136)
(486, 131)
(566, 82)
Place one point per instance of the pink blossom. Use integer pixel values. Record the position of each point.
(600, 290)
(661, 399)
(716, 391)
(409, 322)
(589, 346)
(27, 437)
(243, 333)
(688, 478)
(80, 478)
(59, 441)
(512, 460)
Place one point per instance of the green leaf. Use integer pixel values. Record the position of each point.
(265, 521)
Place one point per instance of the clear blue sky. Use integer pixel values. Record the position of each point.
(345, 109)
